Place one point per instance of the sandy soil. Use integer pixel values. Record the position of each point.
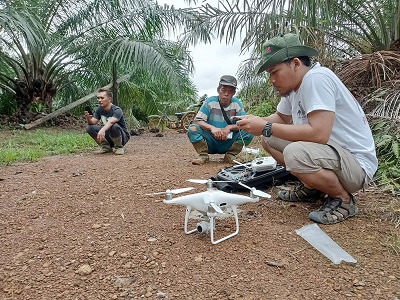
(82, 227)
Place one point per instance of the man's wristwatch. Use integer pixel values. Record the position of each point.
(267, 131)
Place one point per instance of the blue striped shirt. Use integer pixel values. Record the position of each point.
(211, 113)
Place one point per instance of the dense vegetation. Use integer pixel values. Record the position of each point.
(55, 52)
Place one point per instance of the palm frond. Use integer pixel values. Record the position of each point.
(73, 46)
(389, 106)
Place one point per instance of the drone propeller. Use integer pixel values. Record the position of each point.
(217, 208)
(198, 180)
(201, 181)
(255, 191)
(176, 191)
(240, 164)
(208, 199)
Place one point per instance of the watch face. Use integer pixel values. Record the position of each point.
(267, 130)
(264, 131)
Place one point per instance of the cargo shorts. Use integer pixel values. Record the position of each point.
(309, 157)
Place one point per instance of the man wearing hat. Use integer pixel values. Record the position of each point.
(319, 131)
(213, 131)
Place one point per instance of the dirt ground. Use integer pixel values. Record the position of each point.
(82, 227)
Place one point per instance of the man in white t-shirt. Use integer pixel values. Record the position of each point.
(319, 131)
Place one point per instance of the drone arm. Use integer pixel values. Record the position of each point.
(216, 208)
(188, 210)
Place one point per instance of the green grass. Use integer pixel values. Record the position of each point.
(395, 243)
(26, 146)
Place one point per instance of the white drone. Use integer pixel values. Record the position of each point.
(211, 203)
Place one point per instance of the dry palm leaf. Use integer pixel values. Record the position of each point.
(372, 70)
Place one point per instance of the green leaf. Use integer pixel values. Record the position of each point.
(395, 148)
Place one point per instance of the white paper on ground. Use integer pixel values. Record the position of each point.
(324, 244)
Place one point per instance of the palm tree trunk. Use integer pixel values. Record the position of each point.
(71, 105)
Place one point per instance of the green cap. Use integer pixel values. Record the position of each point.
(281, 48)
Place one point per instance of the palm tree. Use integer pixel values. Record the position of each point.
(338, 29)
(344, 25)
(58, 50)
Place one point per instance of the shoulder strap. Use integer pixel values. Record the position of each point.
(224, 114)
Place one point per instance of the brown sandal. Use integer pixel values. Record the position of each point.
(334, 211)
(300, 194)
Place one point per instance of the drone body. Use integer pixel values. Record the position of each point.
(201, 201)
(212, 203)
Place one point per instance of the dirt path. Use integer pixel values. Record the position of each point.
(81, 227)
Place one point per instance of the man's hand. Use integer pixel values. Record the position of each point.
(88, 116)
(220, 134)
(252, 124)
(101, 135)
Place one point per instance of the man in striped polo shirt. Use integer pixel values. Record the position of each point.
(213, 130)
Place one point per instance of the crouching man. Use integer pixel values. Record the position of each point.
(319, 131)
(113, 134)
(213, 130)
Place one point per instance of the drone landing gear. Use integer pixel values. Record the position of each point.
(206, 227)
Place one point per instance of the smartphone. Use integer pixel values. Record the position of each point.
(89, 110)
(236, 118)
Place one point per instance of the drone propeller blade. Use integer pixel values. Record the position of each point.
(261, 194)
(255, 191)
(182, 190)
(176, 191)
(207, 180)
(240, 164)
(198, 180)
(217, 208)
(209, 200)
(246, 186)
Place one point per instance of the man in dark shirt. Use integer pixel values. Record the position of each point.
(113, 133)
